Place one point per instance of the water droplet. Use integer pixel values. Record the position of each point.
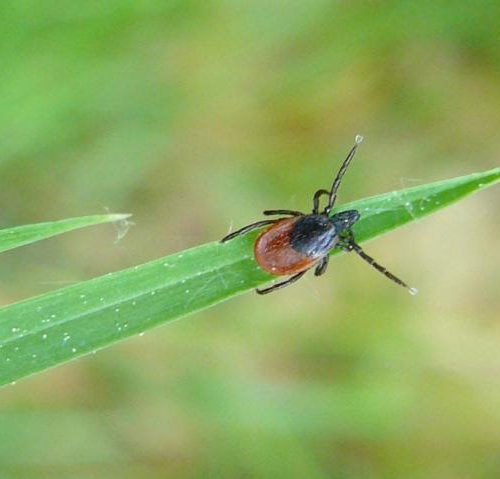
(413, 291)
(44, 336)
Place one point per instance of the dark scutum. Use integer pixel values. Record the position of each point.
(313, 235)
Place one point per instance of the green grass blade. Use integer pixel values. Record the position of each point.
(21, 235)
(382, 213)
(59, 326)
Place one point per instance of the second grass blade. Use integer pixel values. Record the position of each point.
(21, 235)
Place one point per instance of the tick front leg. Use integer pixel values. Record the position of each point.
(283, 284)
(246, 229)
(316, 198)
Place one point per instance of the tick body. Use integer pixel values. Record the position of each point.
(299, 242)
(293, 245)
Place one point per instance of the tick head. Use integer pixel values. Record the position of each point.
(344, 220)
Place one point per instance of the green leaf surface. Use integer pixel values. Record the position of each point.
(21, 235)
(47, 330)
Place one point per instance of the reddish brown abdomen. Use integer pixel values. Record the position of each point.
(274, 253)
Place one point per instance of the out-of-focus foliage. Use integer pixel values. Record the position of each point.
(199, 114)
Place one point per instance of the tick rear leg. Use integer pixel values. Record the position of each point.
(246, 229)
(283, 212)
(322, 265)
(283, 284)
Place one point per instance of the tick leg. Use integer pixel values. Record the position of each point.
(283, 284)
(355, 247)
(247, 228)
(332, 195)
(283, 212)
(316, 198)
(350, 245)
(323, 264)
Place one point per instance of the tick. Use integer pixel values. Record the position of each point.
(295, 244)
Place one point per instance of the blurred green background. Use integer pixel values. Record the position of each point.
(196, 115)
